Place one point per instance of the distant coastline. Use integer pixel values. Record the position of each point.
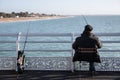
(29, 18)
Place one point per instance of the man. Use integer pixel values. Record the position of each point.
(86, 47)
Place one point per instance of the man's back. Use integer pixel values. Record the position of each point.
(87, 41)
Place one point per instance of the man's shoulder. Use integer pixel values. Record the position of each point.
(93, 36)
(78, 37)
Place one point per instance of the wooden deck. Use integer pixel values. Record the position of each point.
(58, 75)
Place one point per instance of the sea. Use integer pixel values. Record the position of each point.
(71, 24)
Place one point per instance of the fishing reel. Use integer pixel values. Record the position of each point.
(20, 62)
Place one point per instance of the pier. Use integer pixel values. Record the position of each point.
(59, 68)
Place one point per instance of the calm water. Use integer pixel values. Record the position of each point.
(101, 24)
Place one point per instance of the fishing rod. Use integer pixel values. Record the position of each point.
(85, 19)
(21, 56)
(25, 40)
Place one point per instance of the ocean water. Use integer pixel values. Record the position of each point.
(101, 24)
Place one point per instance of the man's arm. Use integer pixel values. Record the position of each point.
(99, 44)
(75, 44)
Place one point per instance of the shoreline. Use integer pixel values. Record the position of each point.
(5, 20)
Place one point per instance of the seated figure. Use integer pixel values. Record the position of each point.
(86, 46)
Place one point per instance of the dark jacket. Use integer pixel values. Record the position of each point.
(87, 40)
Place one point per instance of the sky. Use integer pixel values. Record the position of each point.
(62, 7)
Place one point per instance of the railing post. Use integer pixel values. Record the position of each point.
(17, 46)
(72, 52)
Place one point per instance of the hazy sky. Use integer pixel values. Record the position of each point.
(69, 7)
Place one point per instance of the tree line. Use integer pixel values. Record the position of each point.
(22, 14)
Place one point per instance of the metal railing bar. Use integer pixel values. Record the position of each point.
(110, 41)
(49, 50)
(53, 41)
(101, 34)
(48, 41)
(60, 50)
(7, 41)
(42, 50)
(108, 34)
(109, 50)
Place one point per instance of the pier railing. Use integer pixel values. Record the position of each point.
(109, 63)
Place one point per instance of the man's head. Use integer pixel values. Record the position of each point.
(88, 28)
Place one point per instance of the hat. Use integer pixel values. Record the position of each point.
(88, 28)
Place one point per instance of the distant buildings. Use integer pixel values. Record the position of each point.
(17, 16)
(1, 17)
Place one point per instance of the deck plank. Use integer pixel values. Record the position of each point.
(58, 75)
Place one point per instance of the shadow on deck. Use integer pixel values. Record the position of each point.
(58, 75)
